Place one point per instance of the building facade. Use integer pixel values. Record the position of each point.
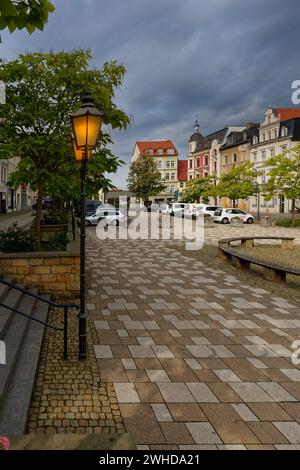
(13, 199)
(279, 131)
(166, 156)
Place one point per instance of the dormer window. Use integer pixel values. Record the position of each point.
(170, 151)
(160, 151)
(149, 152)
(255, 140)
(284, 131)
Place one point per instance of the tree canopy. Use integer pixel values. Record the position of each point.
(198, 188)
(284, 176)
(20, 14)
(237, 184)
(144, 178)
(42, 89)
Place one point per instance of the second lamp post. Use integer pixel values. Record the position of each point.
(86, 123)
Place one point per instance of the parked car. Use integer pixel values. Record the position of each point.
(112, 216)
(46, 204)
(224, 216)
(204, 209)
(90, 207)
(179, 209)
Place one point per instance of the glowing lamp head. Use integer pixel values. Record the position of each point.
(87, 122)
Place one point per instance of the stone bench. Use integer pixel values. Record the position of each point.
(239, 259)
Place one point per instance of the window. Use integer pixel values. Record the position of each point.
(255, 140)
(206, 160)
(263, 137)
(168, 164)
(272, 152)
(149, 151)
(284, 131)
(172, 176)
(172, 189)
(255, 156)
(159, 164)
(167, 176)
(283, 148)
(263, 155)
(181, 185)
(198, 163)
(3, 174)
(234, 158)
(225, 159)
(170, 152)
(275, 134)
(172, 164)
(191, 164)
(190, 177)
(160, 151)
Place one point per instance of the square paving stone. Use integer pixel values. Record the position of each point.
(176, 433)
(202, 393)
(142, 424)
(203, 433)
(226, 375)
(102, 351)
(129, 364)
(250, 392)
(126, 393)
(141, 352)
(186, 412)
(290, 430)
(161, 412)
(149, 393)
(175, 393)
(158, 376)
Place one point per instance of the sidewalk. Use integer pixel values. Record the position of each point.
(22, 219)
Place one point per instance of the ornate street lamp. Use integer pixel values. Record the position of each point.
(86, 123)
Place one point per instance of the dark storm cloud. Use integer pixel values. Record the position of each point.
(223, 59)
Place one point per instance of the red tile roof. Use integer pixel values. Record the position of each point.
(287, 113)
(182, 170)
(163, 144)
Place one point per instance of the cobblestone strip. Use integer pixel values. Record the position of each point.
(68, 396)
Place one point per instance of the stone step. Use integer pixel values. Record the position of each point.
(10, 297)
(13, 338)
(72, 442)
(14, 411)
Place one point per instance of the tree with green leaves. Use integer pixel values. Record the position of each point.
(144, 179)
(198, 189)
(284, 177)
(237, 184)
(20, 14)
(42, 89)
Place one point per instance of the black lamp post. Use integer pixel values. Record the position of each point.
(86, 122)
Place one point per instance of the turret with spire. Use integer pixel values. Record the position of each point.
(196, 137)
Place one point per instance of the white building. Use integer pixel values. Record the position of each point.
(279, 131)
(165, 155)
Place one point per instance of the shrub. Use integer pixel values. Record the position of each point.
(17, 240)
(287, 223)
(55, 218)
(56, 242)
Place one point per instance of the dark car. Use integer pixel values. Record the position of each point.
(46, 204)
(90, 207)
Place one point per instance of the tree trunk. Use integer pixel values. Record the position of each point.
(38, 217)
(234, 203)
(293, 211)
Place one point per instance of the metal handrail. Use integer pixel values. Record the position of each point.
(38, 297)
(49, 302)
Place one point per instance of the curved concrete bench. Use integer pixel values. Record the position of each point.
(271, 271)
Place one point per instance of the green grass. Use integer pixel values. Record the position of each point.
(288, 223)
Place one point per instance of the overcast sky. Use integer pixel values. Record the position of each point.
(225, 60)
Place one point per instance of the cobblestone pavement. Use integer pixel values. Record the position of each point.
(198, 359)
(218, 231)
(22, 219)
(287, 258)
(68, 396)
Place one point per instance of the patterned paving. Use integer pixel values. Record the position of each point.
(197, 359)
